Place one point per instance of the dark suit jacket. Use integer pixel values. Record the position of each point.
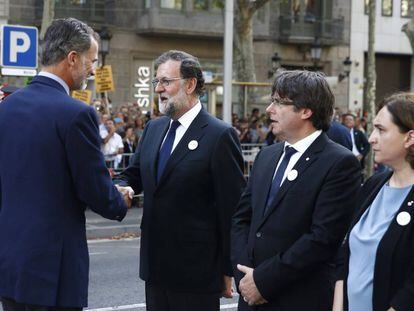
(128, 149)
(51, 168)
(362, 144)
(292, 246)
(185, 242)
(340, 134)
(394, 263)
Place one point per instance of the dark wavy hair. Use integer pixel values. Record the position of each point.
(189, 68)
(307, 89)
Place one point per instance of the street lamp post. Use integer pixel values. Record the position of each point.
(316, 52)
(105, 37)
(276, 59)
(104, 43)
(347, 69)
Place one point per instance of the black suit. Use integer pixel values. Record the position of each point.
(292, 246)
(394, 263)
(340, 134)
(185, 243)
(128, 149)
(362, 145)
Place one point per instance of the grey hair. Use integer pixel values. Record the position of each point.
(189, 68)
(63, 36)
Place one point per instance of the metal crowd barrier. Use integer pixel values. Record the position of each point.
(249, 151)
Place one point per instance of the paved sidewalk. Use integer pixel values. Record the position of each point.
(98, 227)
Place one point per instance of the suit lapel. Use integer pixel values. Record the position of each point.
(194, 132)
(159, 134)
(369, 199)
(268, 172)
(304, 162)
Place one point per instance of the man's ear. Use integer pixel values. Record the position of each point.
(306, 113)
(71, 58)
(409, 139)
(190, 86)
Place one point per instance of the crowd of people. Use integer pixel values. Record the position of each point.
(120, 131)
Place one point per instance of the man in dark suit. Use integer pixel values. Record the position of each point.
(339, 134)
(189, 165)
(51, 169)
(297, 205)
(360, 144)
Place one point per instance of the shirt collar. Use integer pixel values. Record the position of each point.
(188, 117)
(304, 143)
(56, 78)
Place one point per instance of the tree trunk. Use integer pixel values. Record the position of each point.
(371, 80)
(48, 15)
(243, 42)
(243, 47)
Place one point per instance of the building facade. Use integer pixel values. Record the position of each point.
(392, 48)
(143, 29)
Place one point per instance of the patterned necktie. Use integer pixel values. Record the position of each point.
(166, 148)
(289, 151)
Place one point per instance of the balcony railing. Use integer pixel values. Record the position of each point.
(208, 23)
(292, 29)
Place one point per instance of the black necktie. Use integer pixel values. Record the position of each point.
(166, 148)
(289, 151)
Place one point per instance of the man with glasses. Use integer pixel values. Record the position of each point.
(297, 205)
(189, 165)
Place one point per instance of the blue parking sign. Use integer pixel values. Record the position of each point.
(19, 46)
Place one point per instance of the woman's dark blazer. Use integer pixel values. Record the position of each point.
(394, 261)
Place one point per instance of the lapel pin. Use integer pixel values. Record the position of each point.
(403, 218)
(410, 203)
(307, 159)
(292, 175)
(192, 145)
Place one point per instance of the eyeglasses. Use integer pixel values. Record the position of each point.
(164, 81)
(279, 102)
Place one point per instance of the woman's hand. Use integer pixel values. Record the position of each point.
(338, 304)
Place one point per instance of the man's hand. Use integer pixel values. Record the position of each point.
(248, 287)
(127, 193)
(227, 288)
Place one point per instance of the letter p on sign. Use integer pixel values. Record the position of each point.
(19, 43)
(19, 48)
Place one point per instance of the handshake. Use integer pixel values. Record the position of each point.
(127, 193)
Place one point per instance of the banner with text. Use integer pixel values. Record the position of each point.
(103, 79)
(85, 95)
(142, 89)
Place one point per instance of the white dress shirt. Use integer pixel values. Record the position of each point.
(56, 78)
(354, 147)
(300, 146)
(185, 122)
